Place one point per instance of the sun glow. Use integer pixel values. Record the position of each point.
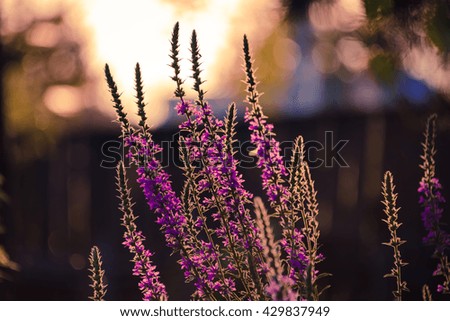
(123, 33)
(139, 31)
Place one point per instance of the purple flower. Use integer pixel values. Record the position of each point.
(182, 108)
(150, 285)
(291, 192)
(431, 200)
(268, 151)
(274, 175)
(297, 258)
(198, 259)
(224, 194)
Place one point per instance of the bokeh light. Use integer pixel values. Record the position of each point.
(122, 34)
(63, 100)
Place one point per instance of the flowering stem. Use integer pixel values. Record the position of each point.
(273, 174)
(161, 198)
(216, 172)
(150, 285)
(140, 102)
(431, 200)
(97, 274)
(193, 130)
(231, 244)
(189, 174)
(311, 231)
(121, 115)
(391, 211)
(182, 247)
(179, 92)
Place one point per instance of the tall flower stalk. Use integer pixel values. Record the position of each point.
(391, 210)
(97, 273)
(431, 201)
(150, 285)
(304, 200)
(291, 193)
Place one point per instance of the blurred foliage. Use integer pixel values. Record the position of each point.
(383, 67)
(417, 20)
(44, 54)
(411, 36)
(376, 8)
(397, 26)
(438, 27)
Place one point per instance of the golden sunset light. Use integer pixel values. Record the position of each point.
(122, 34)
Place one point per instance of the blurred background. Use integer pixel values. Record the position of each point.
(369, 71)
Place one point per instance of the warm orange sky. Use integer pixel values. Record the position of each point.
(122, 33)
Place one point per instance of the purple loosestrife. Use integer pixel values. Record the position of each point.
(97, 273)
(199, 227)
(431, 201)
(224, 251)
(149, 284)
(218, 184)
(391, 210)
(157, 188)
(195, 259)
(291, 193)
(274, 174)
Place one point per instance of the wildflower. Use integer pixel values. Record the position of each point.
(121, 115)
(291, 193)
(274, 173)
(431, 200)
(97, 274)
(149, 284)
(391, 211)
(157, 188)
(218, 184)
(222, 248)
